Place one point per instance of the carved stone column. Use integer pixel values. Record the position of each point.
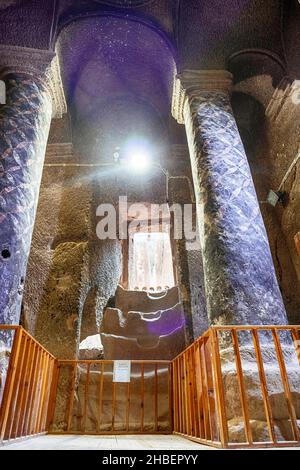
(24, 127)
(240, 281)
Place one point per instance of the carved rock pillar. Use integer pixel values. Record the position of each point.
(240, 281)
(24, 127)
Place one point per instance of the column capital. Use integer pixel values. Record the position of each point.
(196, 82)
(40, 64)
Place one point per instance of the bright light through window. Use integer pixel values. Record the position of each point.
(150, 262)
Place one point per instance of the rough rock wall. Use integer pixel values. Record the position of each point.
(71, 274)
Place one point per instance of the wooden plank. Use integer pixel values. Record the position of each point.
(199, 390)
(142, 396)
(16, 394)
(32, 391)
(191, 393)
(43, 392)
(186, 396)
(24, 393)
(128, 406)
(286, 386)
(180, 401)
(40, 390)
(50, 370)
(210, 389)
(86, 396)
(29, 389)
(155, 399)
(36, 392)
(264, 387)
(113, 408)
(205, 397)
(100, 407)
(69, 414)
(194, 388)
(170, 395)
(217, 369)
(53, 394)
(242, 389)
(183, 395)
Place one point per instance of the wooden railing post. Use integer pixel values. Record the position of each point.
(220, 395)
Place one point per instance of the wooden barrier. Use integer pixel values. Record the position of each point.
(27, 390)
(204, 394)
(93, 404)
(201, 401)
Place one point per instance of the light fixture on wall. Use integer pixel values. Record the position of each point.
(275, 196)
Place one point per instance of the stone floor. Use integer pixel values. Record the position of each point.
(71, 442)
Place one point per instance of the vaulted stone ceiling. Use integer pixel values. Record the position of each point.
(116, 60)
(118, 75)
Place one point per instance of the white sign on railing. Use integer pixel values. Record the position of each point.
(122, 371)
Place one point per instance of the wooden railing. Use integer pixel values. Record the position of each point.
(89, 402)
(235, 386)
(26, 386)
(239, 386)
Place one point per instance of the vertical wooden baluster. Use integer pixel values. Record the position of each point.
(41, 415)
(53, 394)
(40, 392)
(199, 391)
(220, 395)
(48, 393)
(194, 388)
(182, 405)
(205, 397)
(37, 391)
(184, 395)
(241, 383)
(127, 406)
(191, 393)
(175, 408)
(26, 375)
(286, 386)
(69, 415)
(10, 380)
(180, 401)
(296, 340)
(142, 397)
(210, 388)
(263, 384)
(28, 394)
(113, 410)
(156, 398)
(100, 409)
(176, 396)
(86, 395)
(186, 392)
(15, 402)
(31, 405)
(170, 393)
(19, 408)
